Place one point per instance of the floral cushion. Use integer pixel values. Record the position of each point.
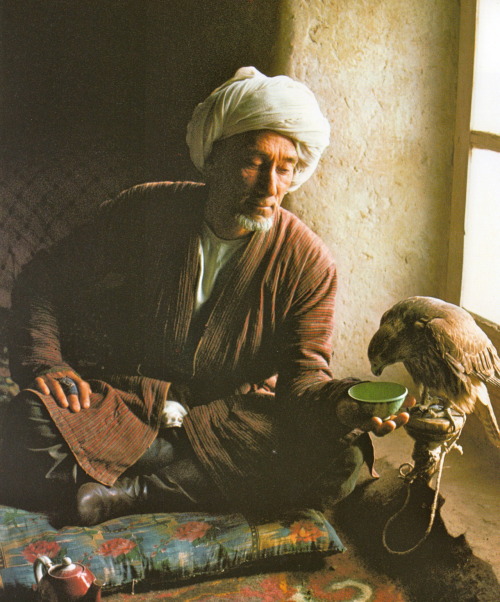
(156, 548)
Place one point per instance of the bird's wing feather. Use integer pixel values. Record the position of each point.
(494, 381)
(464, 346)
(485, 413)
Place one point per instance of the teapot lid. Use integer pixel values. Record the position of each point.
(66, 569)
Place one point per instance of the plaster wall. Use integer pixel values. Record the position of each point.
(385, 75)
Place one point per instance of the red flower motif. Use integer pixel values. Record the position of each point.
(116, 547)
(271, 589)
(39, 548)
(192, 530)
(305, 530)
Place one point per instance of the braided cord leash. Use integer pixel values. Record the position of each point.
(447, 447)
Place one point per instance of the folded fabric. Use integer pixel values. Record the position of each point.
(156, 548)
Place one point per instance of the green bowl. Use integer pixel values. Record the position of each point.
(380, 399)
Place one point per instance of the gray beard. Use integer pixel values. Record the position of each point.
(253, 225)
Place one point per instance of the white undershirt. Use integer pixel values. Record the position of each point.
(214, 253)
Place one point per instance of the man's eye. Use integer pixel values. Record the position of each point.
(252, 161)
(250, 165)
(285, 170)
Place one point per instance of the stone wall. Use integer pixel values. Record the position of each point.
(385, 75)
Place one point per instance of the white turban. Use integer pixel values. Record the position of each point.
(251, 101)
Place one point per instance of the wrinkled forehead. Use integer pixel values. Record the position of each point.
(256, 142)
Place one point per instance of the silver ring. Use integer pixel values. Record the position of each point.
(68, 385)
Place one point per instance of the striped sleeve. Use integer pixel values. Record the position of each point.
(34, 346)
(306, 339)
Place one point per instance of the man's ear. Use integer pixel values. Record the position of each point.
(208, 169)
(210, 162)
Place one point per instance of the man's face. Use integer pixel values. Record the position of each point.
(248, 175)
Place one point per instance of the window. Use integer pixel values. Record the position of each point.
(474, 251)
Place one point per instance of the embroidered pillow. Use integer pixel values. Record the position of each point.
(156, 548)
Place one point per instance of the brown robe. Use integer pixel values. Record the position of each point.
(114, 301)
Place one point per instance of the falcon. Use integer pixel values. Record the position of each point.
(447, 355)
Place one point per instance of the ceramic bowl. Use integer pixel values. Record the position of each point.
(380, 399)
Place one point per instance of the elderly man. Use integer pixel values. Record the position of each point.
(149, 341)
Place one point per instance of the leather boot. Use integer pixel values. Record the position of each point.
(96, 503)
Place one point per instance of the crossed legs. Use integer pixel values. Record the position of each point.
(39, 472)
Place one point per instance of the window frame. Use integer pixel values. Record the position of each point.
(465, 140)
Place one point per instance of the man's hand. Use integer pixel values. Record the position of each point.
(380, 427)
(349, 414)
(67, 388)
(173, 414)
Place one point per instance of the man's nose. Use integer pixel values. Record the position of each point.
(268, 182)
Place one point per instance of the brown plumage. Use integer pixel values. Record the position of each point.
(445, 352)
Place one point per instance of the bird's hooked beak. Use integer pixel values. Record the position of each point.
(379, 350)
(377, 367)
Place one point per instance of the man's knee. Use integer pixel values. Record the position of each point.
(353, 460)
(34, 458)
(28, 423)
(340, 479)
